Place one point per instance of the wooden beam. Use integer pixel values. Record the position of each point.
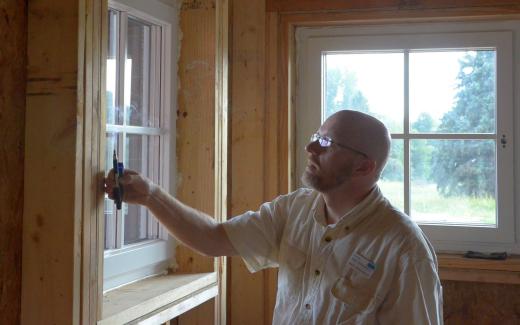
(221, 146)
(341, 5)
(63, 167)
(13, 53)
(54, 129)
(196, 156)
(196, 120)
(248, 163)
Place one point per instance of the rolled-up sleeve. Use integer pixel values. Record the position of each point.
(256, 235)
(415, 298)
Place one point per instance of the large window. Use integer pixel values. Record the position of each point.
(137, 130)
(445, 91)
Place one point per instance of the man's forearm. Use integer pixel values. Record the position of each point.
(194, 228)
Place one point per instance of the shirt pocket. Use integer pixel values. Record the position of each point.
(358, 302)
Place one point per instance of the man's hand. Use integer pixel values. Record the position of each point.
(192, 227)
(137, 189)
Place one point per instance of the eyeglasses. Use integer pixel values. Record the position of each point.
(326, 142)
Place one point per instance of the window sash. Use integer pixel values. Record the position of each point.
(131, 262)
(314, 42)
(115, 230)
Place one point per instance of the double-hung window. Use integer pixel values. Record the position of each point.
(137, 129)
(446, 92)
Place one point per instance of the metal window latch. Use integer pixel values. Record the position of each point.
(503, 141)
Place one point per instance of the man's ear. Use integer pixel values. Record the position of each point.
(365, 167)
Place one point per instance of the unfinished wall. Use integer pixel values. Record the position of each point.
(196, 131)
(13, 49)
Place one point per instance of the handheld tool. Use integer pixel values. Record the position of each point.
(118, 189)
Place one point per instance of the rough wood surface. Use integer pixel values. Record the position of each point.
(13, 50)
(475, 303)
(312, 5)
(53, 156)
(248, 144)
(196, 132)
(196, 119)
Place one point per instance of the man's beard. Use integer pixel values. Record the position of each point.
(320, 183)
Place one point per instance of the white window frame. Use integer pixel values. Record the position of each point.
(504, 36)
(128, 263)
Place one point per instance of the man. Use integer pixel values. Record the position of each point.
(344, 254)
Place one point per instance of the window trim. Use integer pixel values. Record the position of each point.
(310, 41)
(152, 257)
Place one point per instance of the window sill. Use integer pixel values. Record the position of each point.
(157, 299)
(455, 267)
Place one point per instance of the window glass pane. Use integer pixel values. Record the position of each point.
(453, 91)
(113, 112)
(392, 179)
(368, 82)
(137, 74)
(453, 182)
(136, 224)
(141, 155)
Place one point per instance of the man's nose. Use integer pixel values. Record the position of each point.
(313, 147)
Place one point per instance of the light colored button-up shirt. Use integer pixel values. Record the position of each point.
(374, 266)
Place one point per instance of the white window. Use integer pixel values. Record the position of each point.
(446, 93)
(137, 116)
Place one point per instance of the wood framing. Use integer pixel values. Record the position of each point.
(13, 53)
(199, 161)
(62, 180)
(221, 146)
(391, 5)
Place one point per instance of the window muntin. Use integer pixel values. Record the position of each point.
(492, 231)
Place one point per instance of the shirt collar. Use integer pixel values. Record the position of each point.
(353, 217)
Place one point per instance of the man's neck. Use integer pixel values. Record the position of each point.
(338, 203)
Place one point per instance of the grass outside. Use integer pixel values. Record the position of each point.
(428, 206)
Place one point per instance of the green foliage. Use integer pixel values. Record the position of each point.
(468, 167)
(342, 92)
(421, 150)
(394, 169)
(428, 204)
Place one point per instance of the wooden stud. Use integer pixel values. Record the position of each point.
(221, 146)
(247, 147)
(13, 53)
(196, 152)
(63, 159)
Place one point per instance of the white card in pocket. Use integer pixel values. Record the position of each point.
(362, 265)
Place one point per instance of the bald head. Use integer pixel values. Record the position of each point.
(362, 132)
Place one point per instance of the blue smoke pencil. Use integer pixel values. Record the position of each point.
(118, 172)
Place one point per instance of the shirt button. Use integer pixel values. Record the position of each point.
(347, 228)
(307, 306)
(317, 272)
(328, 239)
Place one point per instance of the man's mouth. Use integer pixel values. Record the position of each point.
(312, 165)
